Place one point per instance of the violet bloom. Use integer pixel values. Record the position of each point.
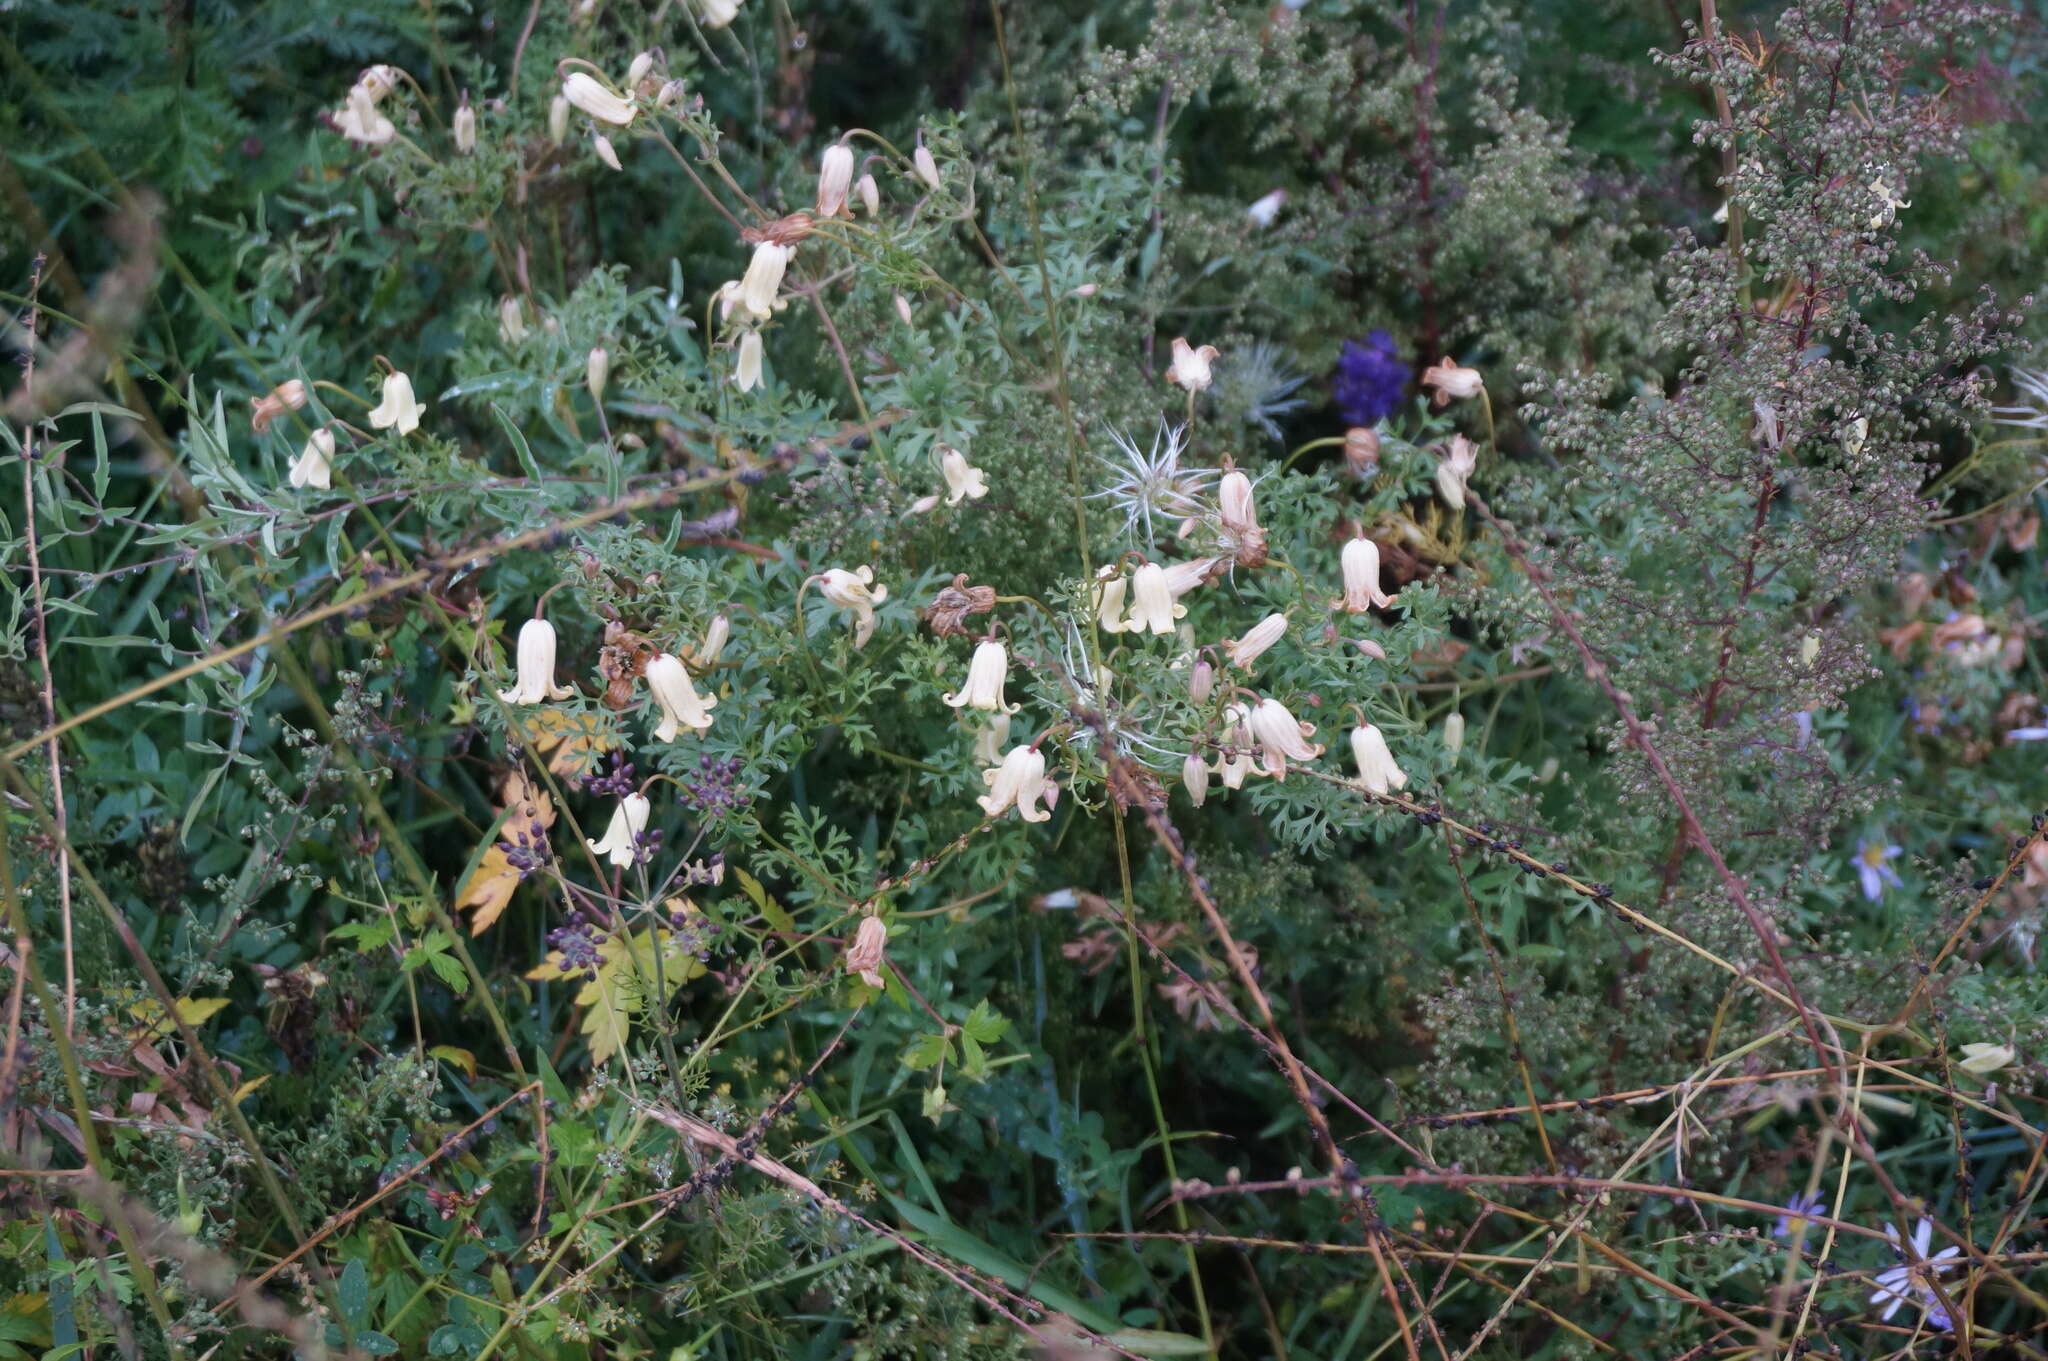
(1371, 379)
(1798, 1210)
(1873, 868)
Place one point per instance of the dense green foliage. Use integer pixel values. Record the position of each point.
(1342, 680)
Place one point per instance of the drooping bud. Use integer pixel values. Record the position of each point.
(511, 320)
(597, 370)
(591, 95)
(1201, 683)
(642, 64)
(903, 309)
(747, 372)
(1362, 451)
(464, 127)
(558, 120)
(835, 177)
(1454, 734)
(1376, 768)
(870, 194)
(927, 168)
(606, 152)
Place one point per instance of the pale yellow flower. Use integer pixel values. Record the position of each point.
(312, 467)
(1192, 368)
(986, 675)
(1376, 768)
(1281, 737)
(399, 410)
(594, 97)
(675, 699)
(857, 592)
(1452, 382)
(835, 177)
(963, 479)
(1018, 782)
(620, 843)
(535, 680)
(1360, 561)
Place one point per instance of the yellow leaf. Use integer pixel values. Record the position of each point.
(624, 983)
(487, 889)
(193, 1011)
(571, 742)
(461, 1058)
(251, 1085)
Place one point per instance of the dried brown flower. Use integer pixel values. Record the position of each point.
(954, 603)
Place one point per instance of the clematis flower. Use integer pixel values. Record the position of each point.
(715, 637)
(311, 467)
(1986, 1059)
(854, 591)
(1281, 737)
(597, 371)
(988, 741)
(1019, 781)
(1262, 635)
(1192, 368)
(1152, 604)
(1454, 471)
(558, 120)
(511, 320)
(638, 70)
(963, 479)
(746, 374)
(927, 168)
(1362, 451)
(290, 395)
(835, 177)
(675, 699)
(986, 673)
(621, 838)
(870, 946)
(1797, 1211)
(1183, 577)
(399, 410)
(606, 152)
(716, 14)
(464, 127)
(592, 96)
(764, 278)
(1267, 208)
(1376, 768)
(870, 194)
(378, 81)
(1452, 382)
(1237, 735)
(1853, 435)
(1911, 1283)
(1194, 776)
(361, 123)
(1110, 589)
(1360, 562)
(1873, 868)
(535, 680)
(1239, 515)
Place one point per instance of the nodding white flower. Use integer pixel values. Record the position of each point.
(1911, 1283)
(989, 739)
(1360, 561)
(360, 122)
(1721, 213)
(289, 395)
(1192, 368)
(716, 14)
(464, 124)
(535, 681)
(927, 168)
(635, 73)
(1281, 737)
(835, 177)
(1376, 768)
(399, 410)
(1194, 776)
(1110, 589)
(856, 591)
(870, 946)
(1452, 382)
(1020, 782)
(1888, 205)
(1262, 635)
(986, 673)
(1201, 683)
(606, 152)
(675, 698)
(378, 81)
(1454, 734)
(597, 369)
(1362, 450)
(511, 320)
(1266, 208)
(1237, 734)
(715, 637)
(621, 840)
(311, 467)
(1152, 604)
(924, 504)
(1454, 471)
(558, 120)
(764, 278)
(1183, 577)
(746, 374)
(671, 93)
(870, 194)
(1853, 435)
(1234, 500)
(1985, 1059)
(591, 95)
(963, 479)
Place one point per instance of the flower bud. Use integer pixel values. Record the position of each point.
(927, 168)
(558, 120)
(747, 372)
(602, 145)
(464, 124)
(716, 14)
(903, 309)
(1454, 734)
(637, 72)
(1362, 451)
(870, 194)
(835, 176)
(589, 94)
(1201, 683)
(597, 369)
(923, 504)
(511, 320)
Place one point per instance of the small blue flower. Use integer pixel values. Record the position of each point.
(1873, 869)
(1371, 379)
(1797, 1211)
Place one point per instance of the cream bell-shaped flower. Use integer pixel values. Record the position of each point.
(716, 14)
(620, 842)
(675, 698)
(1262, 635)
(835, 177)
(986, 675)
(963, 479)
(1888, 204)
(715, 637)
(1192, 368)
(312, 467)
(1454, 471)
(1452, 382)
(360, 122)
(746, 373)
(989, 739)
(592, 96)
(1361, 564)
(869, 949)
(764, 278)
(1020, 782)
(399, 410)
(1985, 1059)
(855, 591)
(1376, 768)
(1153, 607)
(1110, 589)
(1194, 777)
(464, 127)
(511, 320)
(1854, 434)
(1281, 737)
(1237, 734)
(535, 681)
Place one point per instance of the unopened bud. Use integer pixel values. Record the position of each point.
(923, 504)
(558, 120)
(511, 320)
(637, 72)
(903, 308)
(603, 146)
(465, 129)
(927, 168)
(870, 194)
(1083, 291)
(596, 369)
(1362, 450)
(1454, 734)
(1201, 683)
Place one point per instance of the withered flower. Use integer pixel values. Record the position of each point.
(951, 606)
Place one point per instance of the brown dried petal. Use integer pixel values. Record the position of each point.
(955, 602)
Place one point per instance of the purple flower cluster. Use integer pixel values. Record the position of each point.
(715, 788)
(578, 941)
(526, 849)
(618, 782)
(1371, 379)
